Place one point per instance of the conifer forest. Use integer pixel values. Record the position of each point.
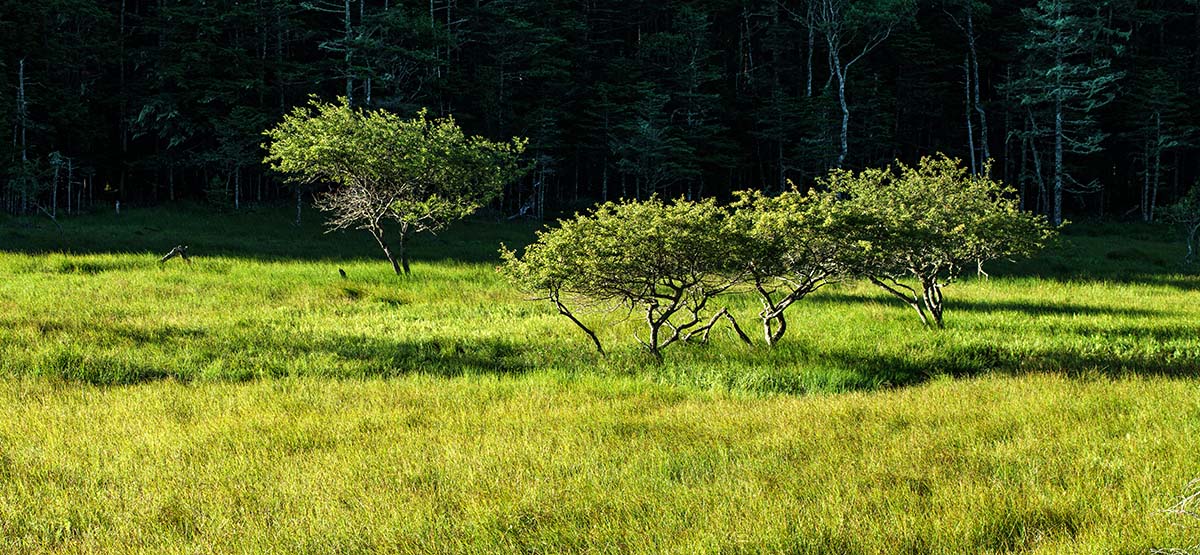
(1088, 108)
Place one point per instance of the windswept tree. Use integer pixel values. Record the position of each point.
(926, 223)
(665, 260)
(418, 174)
(791, 245)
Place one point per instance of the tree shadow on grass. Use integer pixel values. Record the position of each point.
(262, 234)
(991, 306)
(962, 361)
(449, 357)
(121, 354)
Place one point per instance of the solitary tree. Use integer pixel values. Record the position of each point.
(666, 260)
(420, 173)
(930, 221)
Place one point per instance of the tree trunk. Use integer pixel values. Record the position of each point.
(774, 335)
(1146, 181)
(812, 34)
(70, 177)
(298, 205)
(970, 127)
(1157, 179)
(931, 297)
(655, 326)
(841, 81)
(983, 128)
(909, 298)
(403, 253)
(54, 193)
(349, 56)
(22, 111)
(1058, 163)
(377, 233)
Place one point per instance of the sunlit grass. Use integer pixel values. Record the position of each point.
(498, 465)
(122, 318)
(255, 401)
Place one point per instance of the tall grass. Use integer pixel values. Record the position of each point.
(485, 464)
(264, 299)
(256, 402)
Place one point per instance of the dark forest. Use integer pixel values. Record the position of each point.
(152, 101)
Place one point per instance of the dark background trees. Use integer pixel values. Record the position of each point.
(149, 101)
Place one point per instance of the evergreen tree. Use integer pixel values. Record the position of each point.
(1068, 76)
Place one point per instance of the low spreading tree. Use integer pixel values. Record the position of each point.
(418, 174)
(792, 244)
(665, 260)
(927, 222)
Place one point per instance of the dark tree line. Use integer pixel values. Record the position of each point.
(1087, 107)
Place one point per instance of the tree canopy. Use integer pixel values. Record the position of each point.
(419, 173)
(929, 222)
(665, 261)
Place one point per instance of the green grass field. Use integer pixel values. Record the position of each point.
(257, 402)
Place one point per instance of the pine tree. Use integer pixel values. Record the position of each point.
(1068, 76)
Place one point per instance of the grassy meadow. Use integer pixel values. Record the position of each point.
(255, 401)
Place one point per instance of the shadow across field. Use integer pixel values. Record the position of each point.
(260, 233)
(993, 306)
(116, 354)
(974, 360)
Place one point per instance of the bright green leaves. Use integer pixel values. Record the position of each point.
(666, 260)
(930, 220)
(420, 173)
(669, 260)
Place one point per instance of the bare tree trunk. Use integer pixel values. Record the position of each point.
(298, 207)
(1058, 162)
(1023, 174)
(970, 127)
(563, 310)
(70, 177)
(604, 181)
(1157, 165)
(983, 128)
(841, 83)
(812, 35)
(377, 233)
(404, 250)
(773, 336)
(911, 298)
(22, 109)
(931, 297)
(54, 193)
(349, 56)
(1146, 180)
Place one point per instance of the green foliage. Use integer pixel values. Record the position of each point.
(928, 221)
(667, 260)
(420, 173)
(791, 245)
